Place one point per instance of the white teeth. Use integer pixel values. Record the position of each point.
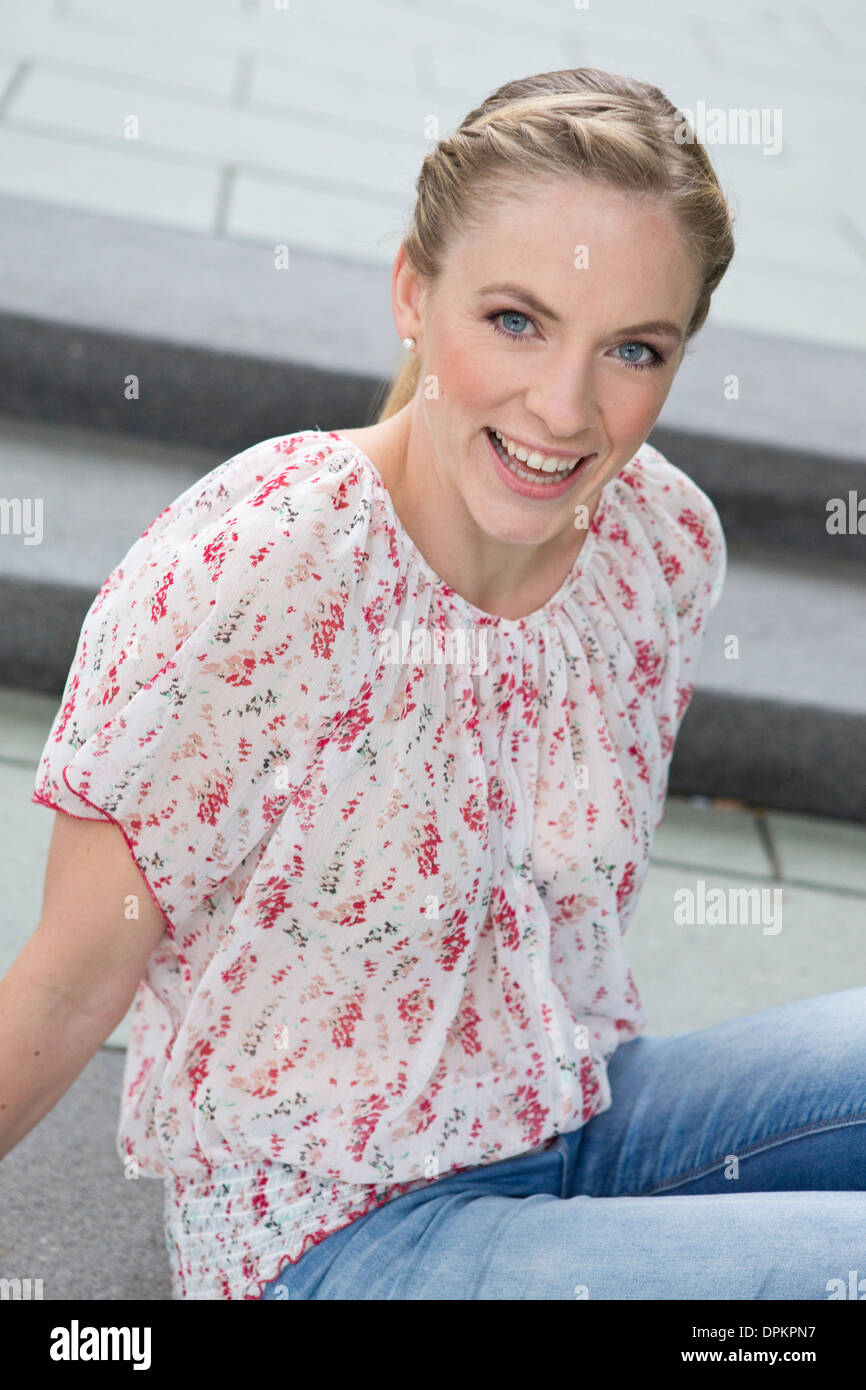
(541, 463)
(514, 453)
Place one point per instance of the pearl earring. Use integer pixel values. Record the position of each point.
(408, 344)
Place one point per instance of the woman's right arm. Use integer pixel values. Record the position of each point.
(75, 978)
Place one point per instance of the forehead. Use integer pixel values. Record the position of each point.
(569, 239)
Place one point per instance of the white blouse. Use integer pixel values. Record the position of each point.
(396, 871)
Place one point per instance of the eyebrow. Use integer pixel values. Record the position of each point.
(653, 326)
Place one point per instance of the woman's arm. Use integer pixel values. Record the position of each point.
(74, 980)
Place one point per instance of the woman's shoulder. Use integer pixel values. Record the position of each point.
(258, 473)
(679, 521)
(269, 546)
(660, 488)
(216, 648)
(269, 500)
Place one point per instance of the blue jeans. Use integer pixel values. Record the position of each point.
(750, 1136)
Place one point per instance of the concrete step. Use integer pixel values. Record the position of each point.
(227, 348)
(781, 724)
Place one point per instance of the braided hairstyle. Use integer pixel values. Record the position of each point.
(575, 122)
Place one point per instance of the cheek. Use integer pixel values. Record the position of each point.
(466, 375)
(630, 413)
(473, 371)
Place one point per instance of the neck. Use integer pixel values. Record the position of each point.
(505, 579)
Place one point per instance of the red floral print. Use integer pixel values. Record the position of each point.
(394, 892)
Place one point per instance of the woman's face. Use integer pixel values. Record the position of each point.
(582, 371)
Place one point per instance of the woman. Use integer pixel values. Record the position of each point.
(386, 1041)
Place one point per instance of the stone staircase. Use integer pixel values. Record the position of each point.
(228, 350)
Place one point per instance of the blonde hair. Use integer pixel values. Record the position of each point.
(576, 122)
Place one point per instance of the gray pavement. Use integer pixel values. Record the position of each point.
(69, 1215)
(305, 123)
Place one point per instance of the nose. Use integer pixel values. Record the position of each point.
(562, 397)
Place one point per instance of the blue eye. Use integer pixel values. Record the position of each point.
(511, 314)
(518, 321)
(654, 360)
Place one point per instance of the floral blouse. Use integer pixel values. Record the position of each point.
(396, 841)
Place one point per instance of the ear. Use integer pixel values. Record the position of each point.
(406, 297)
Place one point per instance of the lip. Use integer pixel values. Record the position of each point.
(537, 490)
(541, 448)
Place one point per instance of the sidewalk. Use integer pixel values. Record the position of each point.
(305, 125)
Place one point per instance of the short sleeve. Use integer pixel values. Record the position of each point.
(209, 657)
(688, 552)
(697, 576)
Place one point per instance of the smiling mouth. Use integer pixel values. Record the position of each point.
(527, 474)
